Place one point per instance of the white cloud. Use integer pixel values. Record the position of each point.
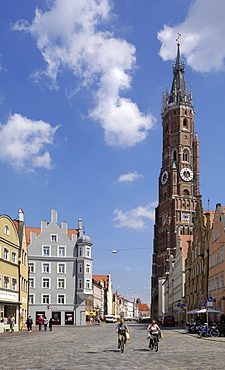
(129, 177)
(202, 41)
(135, 218)
(69, 36)
(129, 268)
(23, 142)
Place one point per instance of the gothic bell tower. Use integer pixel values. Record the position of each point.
(178, 179)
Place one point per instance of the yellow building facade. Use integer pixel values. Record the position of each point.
(13, 273)
(9, 273)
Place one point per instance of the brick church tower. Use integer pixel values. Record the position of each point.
(178, 180)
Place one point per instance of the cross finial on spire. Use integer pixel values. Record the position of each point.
(179, 35)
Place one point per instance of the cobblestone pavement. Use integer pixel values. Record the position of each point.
(95, 347)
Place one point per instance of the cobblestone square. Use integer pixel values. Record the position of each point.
(95, 347)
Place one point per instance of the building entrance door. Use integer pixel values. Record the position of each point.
(57, 318)
(69, 318)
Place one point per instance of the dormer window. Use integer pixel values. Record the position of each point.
(6, 230)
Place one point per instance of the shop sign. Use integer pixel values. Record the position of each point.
(9, 296)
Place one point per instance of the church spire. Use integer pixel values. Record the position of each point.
(178, 93)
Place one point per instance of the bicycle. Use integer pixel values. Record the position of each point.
(206, 331)
(153, 344)
(122, 342)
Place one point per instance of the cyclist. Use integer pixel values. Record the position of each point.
(121, 329)
(153, 328)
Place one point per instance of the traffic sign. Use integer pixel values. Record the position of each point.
(210, 299)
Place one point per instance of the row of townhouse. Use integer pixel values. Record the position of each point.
(197, 271)
(44, 271)
(13, 272)
(104, 302)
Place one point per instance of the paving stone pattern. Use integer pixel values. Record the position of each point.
(95, 347)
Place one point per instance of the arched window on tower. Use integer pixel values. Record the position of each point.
(185, 155)
(185, 123)
(186, 192)
(174, 155)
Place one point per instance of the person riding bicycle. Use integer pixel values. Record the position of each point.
(153, 329)
(121, 329)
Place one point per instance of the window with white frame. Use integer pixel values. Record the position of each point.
(80, 283)
(221, 281)
(88, 268)
(61, 283)
(80, 251)
(54, 238)
(88, 252)
(31, 267)
(61, 251)
(45, 283)
(88, 284)
(217, 283)
(209, 285)
(6, 282)
(13, 257)
(217, 257)
(222, 254)
(31, 282)
(0, 280)
(45, 250)
(6, 230)
(14, 283)
(61, 268)
(45, 268)
(212, 260)
(31, 299)
(45, 298)
(61, 299)
(6, 253)
(212, 284)
(80, 268)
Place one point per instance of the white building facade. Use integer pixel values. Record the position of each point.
(60, 272)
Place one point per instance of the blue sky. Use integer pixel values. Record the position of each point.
(80, 103)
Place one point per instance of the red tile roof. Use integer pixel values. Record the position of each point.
(143, 307)
(97, 278)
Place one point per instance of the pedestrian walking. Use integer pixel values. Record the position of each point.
(40, 322)
(12, 323)
(29, 323)
(45, 323)
(50, 324)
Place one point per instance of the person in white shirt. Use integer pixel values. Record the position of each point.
(153, 328)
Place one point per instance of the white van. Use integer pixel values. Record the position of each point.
(110, 318)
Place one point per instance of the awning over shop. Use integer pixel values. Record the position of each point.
(90, 313)
(10, 303)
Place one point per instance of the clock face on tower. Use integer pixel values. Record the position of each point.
(164, 177)
(186, 174)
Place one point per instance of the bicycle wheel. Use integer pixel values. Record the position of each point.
(215, 333)
(156, 344)
(151, 344)
(122, 345)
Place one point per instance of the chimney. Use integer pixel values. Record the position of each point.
(54, 215)
(21, 215)
(80, 227)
